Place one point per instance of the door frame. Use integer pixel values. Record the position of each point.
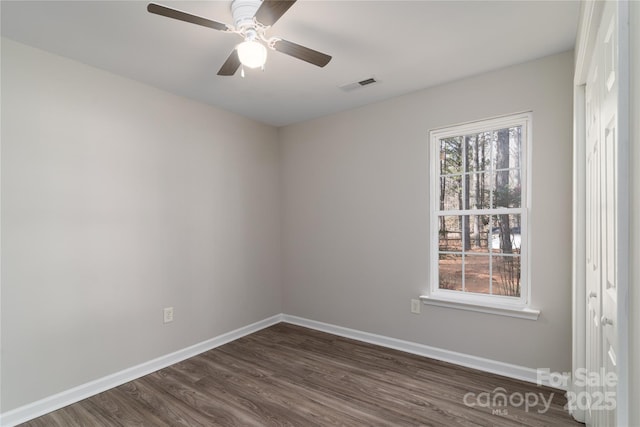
(590, 16)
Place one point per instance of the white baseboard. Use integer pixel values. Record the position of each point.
(469, 361)
(67, 397)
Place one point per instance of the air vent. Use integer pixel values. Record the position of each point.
(362, 83)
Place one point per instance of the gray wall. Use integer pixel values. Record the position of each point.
(634, 203)
(356, 215)
(117, 200)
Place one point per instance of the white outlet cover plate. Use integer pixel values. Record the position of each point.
(415, 306)
(168, 314)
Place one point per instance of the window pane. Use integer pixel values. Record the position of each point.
(508, 145)
(505, 234)
(451, 155)
(478, 234)
(478, 187)
(450, 235)
(450, 272)
(478, 151)
(507, 192)
(451, 192)
(506, 275)
(476, 273)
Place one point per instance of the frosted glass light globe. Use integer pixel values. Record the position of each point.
(252, 54)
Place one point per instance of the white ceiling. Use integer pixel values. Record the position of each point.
(406, 45)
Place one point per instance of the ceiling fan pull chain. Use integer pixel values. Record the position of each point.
(242, 71)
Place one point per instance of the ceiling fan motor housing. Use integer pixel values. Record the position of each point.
(243, 12)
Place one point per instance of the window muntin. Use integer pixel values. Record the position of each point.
(479, 211)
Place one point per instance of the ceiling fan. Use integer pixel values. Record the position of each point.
(252, 19)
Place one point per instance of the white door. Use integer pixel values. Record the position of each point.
(601, 95)
(593, 274)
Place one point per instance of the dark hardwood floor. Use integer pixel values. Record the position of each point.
(287, 375)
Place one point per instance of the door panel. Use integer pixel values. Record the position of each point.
(593, 273)
(602, 230)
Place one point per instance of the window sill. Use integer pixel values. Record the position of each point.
(519, 312)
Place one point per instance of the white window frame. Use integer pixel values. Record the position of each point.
(493, 304)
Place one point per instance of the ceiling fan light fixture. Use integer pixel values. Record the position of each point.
(252, 54)
(252, 18)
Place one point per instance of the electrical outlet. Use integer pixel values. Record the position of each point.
(168, 314)
(415, 306)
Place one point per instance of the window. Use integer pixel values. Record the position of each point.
(479, 206)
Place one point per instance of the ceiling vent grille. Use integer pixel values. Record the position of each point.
(357, 85)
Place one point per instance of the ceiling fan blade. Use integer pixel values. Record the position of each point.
(184, 16)
(271, 10)
(297, 51)
(231, 65)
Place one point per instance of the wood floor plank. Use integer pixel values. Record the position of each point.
(288, 375)
(154, 399)
(288, 383)
(219, 408)
(324, 372)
